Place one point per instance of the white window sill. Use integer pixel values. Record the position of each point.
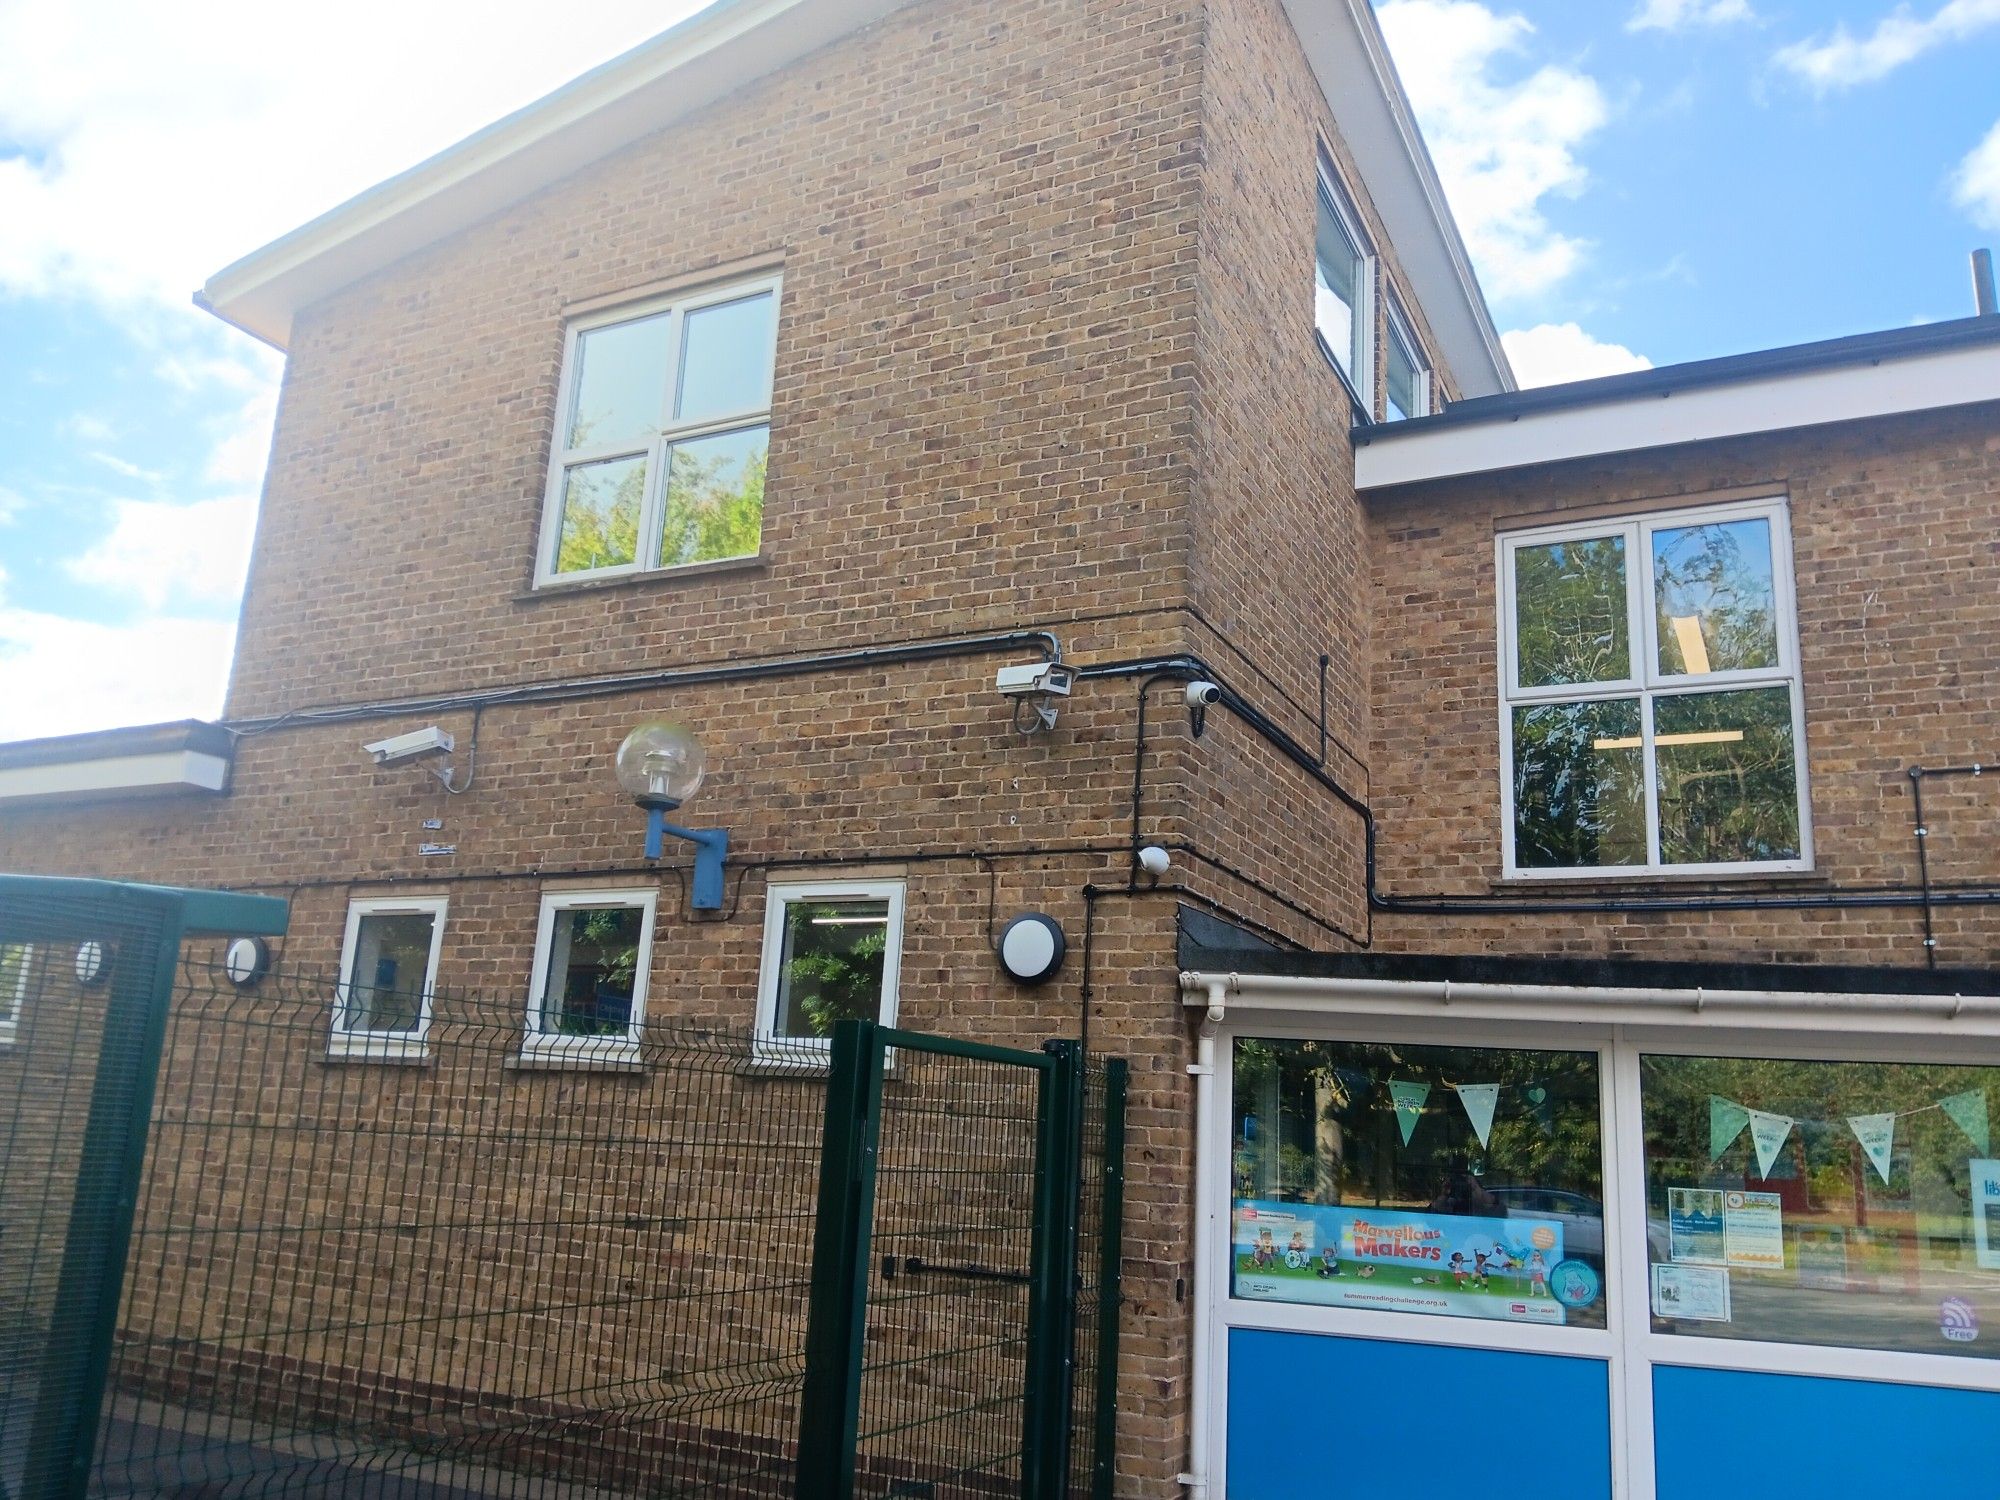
(1639, 875)
(378, 1049)
(584, 583)
(579, 1055)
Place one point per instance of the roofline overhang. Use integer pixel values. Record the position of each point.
(722, 48)
(1904, 371)
(1344, 44)
(146, 760)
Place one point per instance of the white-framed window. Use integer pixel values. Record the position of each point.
(588, 997)
(663, 425)
(388, 972)
(1407, 377)
(15, 959)
(1651, 717)
(832, 950)
(1344, 289)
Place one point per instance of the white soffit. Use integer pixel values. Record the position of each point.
(1349, 57)
(149, 775)
(1660, 418)
(706, 57)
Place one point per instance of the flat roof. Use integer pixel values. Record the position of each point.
(1930, 366)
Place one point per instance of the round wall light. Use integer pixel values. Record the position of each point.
(246, 960)
(661, 764)
(1031, 948)
(93, 963)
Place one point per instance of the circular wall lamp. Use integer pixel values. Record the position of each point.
(246, 960)
(1031, 948)
(93, 963)
(661, 765)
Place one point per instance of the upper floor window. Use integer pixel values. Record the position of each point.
(664, 422)
(1650, 688)
(1408, 377)
(1344, 290)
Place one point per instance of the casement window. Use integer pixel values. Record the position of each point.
(1344, 290)
(388, 971)
(592, 952)
(14, 962)
(1651, 715)
(664, 420)
(1407, 377)
(831, 951)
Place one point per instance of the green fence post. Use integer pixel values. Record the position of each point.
(110, 1166)
(830, 1409)
(1052, 1275)
(1111, 1252)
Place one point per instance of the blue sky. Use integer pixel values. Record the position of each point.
(1640, 181)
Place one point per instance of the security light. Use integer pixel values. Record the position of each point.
(660, 764)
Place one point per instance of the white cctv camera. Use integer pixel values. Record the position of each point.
(1042, 679)
(413, 746)
(1154, 860)
(1202, 694)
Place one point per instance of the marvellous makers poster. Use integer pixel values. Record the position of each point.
(1454, 1265)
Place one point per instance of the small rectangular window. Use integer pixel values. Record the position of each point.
(665, 425)
(592, 953)
(1344, 291)
(832, 952)
(1408, 378)
(1854, 1204)
(1461, 1182)
(388, 970)
(1652, 699)
(15, 959)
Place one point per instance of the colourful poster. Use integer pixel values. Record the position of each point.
(1753, 1230)
(1695, 1227)
(1694, 1294)
(1451, 1265)
(1985, 1212)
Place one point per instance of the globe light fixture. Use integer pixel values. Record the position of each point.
(660, 765)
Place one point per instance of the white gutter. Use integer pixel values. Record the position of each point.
(1213, 991)
(1662, 418)
(1969, 1015)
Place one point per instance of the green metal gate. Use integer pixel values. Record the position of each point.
(87, 971)
(963, 1338)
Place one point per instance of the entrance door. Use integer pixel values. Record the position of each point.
(1601, 1260)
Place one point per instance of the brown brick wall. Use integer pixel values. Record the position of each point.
(1893, 531)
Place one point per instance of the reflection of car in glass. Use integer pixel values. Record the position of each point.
(1581, 1217)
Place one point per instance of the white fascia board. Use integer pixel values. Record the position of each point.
(691, 65)
(1778, 403)
(157, 774)
(1344, 45)
(1759, 1010)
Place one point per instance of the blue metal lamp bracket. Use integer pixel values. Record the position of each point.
(711, 848)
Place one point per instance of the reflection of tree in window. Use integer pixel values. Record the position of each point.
(1569, 611)
(715, 498)
(1713, 596)
(832, 965)
(1579, 785)
(600, 514)
(1728, 777)
(593, 970)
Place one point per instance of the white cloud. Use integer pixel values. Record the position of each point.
(1682, 15)
(1975, 186)
(1842, 59)
(1553, 353)
(64, 676)
(124, 467)
(157, 551)
(1501, 147)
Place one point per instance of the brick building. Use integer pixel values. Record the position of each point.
(796, 372)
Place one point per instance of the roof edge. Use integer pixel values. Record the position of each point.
(197, 735)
